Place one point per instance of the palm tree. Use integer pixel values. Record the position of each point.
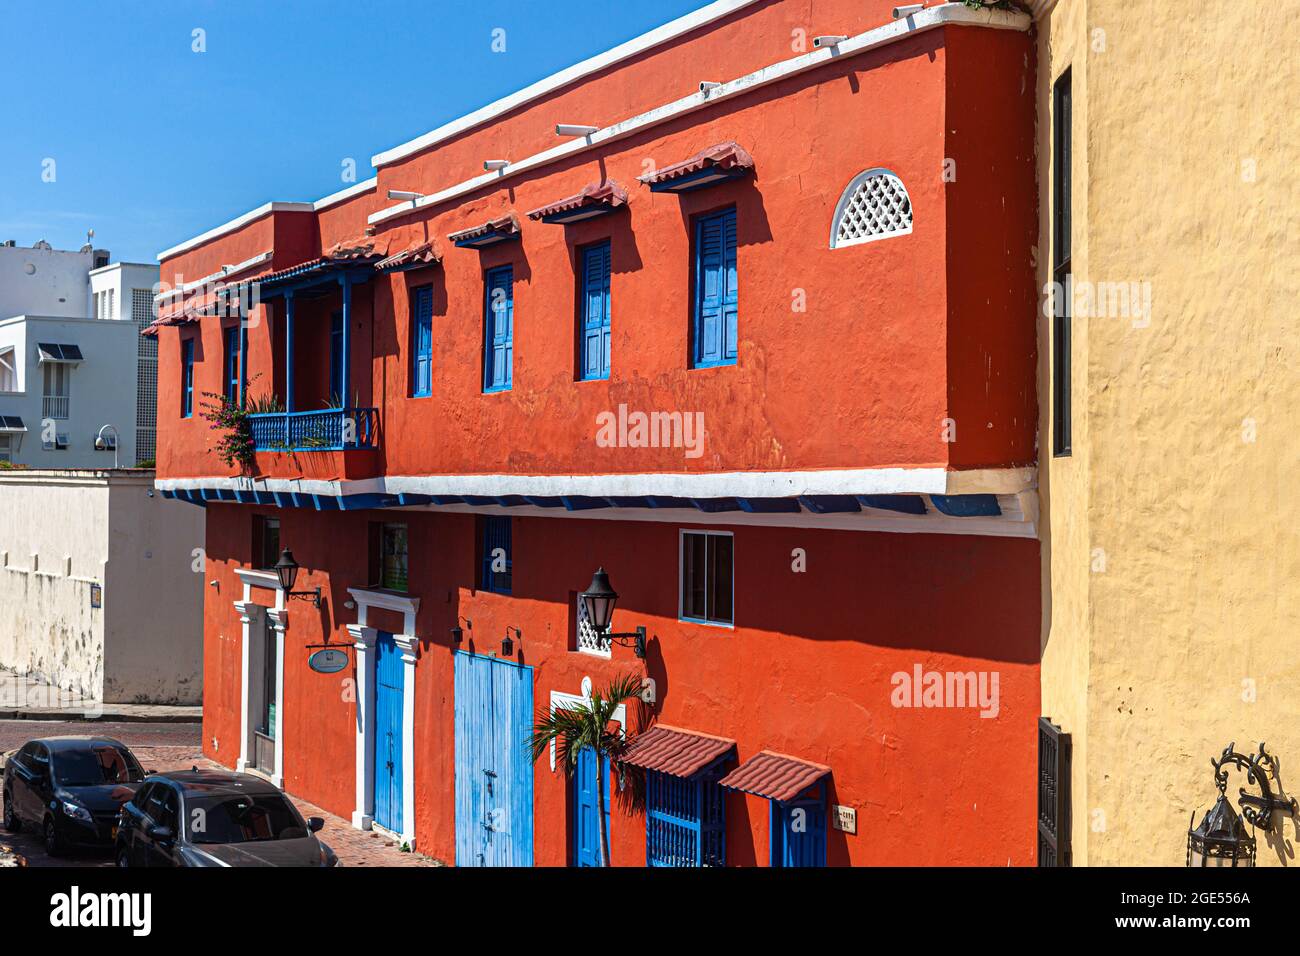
(588, 725)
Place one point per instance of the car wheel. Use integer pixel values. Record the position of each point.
(53, 841)
(11, 819)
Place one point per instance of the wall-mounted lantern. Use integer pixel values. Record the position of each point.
(599, 600)
(1222, 839)
(507, 642)
(286, 569)
(457, 632)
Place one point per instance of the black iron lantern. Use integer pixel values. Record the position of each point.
(600, 599)
(1221, 839)
(286, 570)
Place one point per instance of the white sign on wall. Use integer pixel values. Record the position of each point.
(844, 818)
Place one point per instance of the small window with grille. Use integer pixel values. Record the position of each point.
(874, 206)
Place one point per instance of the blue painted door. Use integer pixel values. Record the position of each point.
(586, 834)
(494, 770)
(388, 733)
(595, 312)
(799, 832)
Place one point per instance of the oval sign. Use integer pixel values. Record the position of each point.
(328, 660)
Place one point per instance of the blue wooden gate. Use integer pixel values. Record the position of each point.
(586, 834)
(388, 733)
(494, 771)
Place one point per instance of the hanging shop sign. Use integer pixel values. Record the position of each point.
(328, 660)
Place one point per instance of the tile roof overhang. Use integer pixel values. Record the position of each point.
(412, 257)
(489, 233)
(774, 776)
(706, 168)
(595, 199)
(680, 753)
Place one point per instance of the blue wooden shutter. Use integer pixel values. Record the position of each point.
(805, 846)
(231, 342)
(499, 340)
(422, 337)
(595, 312)
(716, 311)
(187, 378)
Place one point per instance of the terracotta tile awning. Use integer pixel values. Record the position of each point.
(412, 257)
(492, 231)
(774, 776)
(679, 753)
(595, 199)
(707, 167)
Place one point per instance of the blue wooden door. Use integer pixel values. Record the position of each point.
(586, 834)
(799, 832)
(595, 312)
(388, 733)
(494, 771)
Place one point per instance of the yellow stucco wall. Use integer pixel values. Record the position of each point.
(1172, 545)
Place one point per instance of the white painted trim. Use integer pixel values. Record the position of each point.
(358, 189)
(224, 272)
(279, 618)
(237, 223)
(259, 579)
(847, 195)
(363, 639)
(601, 61)
(405, 605)
(740, 484)
(928, 19)
(569, 701)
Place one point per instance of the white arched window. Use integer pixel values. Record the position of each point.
(874, 206)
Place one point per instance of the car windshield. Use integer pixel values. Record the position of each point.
(242, 819)
(95, 766)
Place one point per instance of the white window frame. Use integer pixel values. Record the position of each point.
(681, 568)
(842, 206)
(9, 368)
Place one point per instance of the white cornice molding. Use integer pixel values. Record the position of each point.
(258, 579)
(237, 223)
(931, 18)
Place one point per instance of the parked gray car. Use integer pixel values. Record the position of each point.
(216, 818)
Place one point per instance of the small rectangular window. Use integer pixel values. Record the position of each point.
(714, 324)
(1062, 284)
(707, 585)
(422, 341)
(187, 378)
(392, 557)
(594, 317)
(497, 568)
(266, 541)
(499, 329)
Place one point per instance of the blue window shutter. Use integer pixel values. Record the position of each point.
(499, 312)
(596, 312)
(231, 342)
(716, 310)
(187, 378)
(422, 334)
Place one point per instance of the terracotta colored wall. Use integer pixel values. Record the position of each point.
(807, 670)
(908, 335)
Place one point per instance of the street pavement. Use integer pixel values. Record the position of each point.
(175, 746)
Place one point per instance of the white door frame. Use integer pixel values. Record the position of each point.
(364, 638)
(279, 617)
(570, 701)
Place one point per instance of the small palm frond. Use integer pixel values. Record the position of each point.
(584, 725)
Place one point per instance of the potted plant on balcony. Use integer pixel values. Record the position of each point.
(233, 423)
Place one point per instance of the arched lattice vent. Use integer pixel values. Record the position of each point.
(874, 206)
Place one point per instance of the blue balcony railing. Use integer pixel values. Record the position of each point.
(330, 429)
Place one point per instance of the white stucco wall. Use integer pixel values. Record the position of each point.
(44, 282)
(61, 531)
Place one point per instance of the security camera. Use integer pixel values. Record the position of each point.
(820, 42)
(907, 9)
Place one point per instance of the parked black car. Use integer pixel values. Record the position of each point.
(71, 789)
(216, 818)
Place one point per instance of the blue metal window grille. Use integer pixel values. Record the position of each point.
(496, 538)
(714, 332)
(798, 830)
(595, 330)
(422, 341)
(707, 577)
(685, 820)
(187, 378)
(499, 329)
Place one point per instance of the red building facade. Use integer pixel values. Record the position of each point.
(759, 342)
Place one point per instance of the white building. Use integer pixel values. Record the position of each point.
(101, 594)
(72, 359)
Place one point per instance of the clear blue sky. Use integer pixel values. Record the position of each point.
(154, 143)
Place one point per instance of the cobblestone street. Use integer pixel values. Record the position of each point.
(172, 746)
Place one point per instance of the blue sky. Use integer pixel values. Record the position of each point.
(154, 143)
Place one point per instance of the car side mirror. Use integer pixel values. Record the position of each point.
(161, 834)
(315, 824)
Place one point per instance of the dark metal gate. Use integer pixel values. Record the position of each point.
(1053, 794)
